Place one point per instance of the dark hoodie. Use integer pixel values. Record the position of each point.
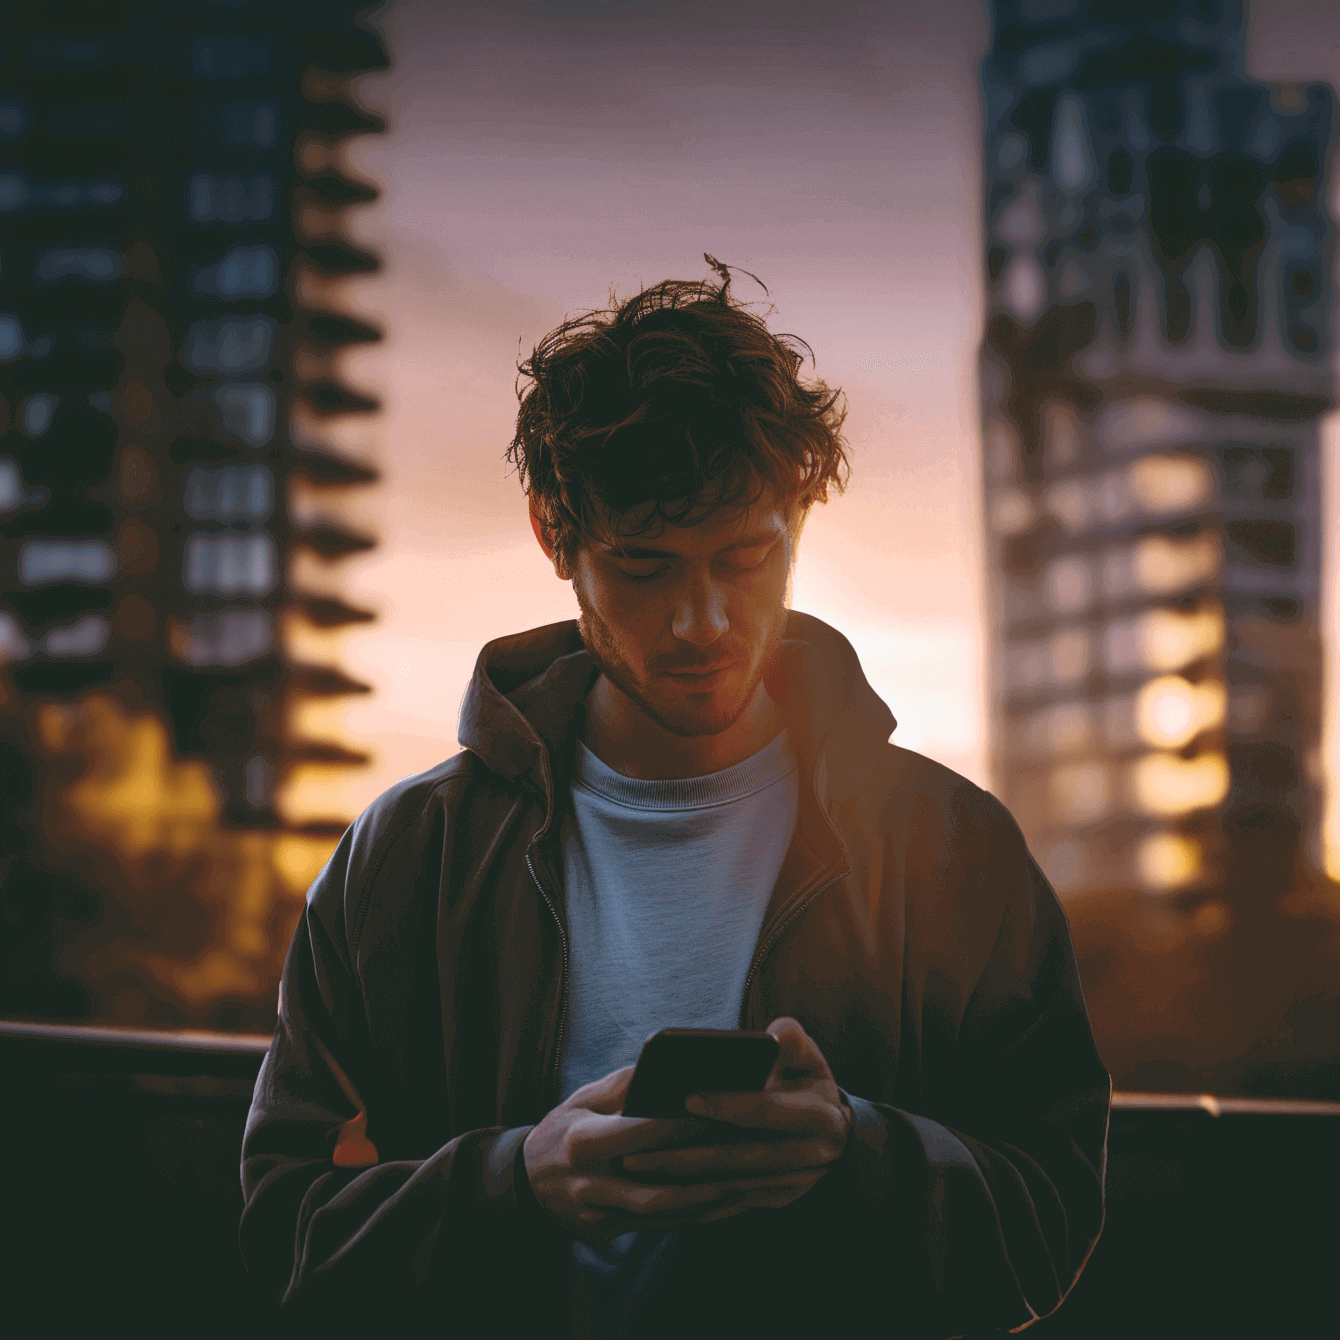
(911, 934)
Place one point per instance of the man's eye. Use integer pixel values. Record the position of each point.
(643, 574)
(744, 559)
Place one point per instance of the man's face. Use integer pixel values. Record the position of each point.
(685, 620)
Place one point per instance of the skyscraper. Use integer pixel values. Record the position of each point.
(168, 180)
(1155, 365)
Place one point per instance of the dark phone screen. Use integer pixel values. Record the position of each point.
(679, 1061)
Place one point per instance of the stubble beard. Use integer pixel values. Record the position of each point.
(678, 718)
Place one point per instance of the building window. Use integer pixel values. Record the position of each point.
(250, 272)
(1170, 712)
(230, 199)
(232, 344)
(43, 561)
(230, 494)
(231, 564)
(230, 637)
(1168, 784)
(247, 411)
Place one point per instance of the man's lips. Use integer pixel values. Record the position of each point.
(700, 673)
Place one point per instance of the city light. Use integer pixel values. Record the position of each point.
(1167, 861)
(1170, 712)
(1167, 784)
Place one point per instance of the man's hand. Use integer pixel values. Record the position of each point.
(799, 1114)
(584, 1160)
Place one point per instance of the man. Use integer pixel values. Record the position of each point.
(682, 810)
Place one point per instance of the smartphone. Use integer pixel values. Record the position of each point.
(679, 1061)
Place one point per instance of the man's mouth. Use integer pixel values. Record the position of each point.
(710, 672)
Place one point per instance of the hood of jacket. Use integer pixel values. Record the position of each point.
(522, 710)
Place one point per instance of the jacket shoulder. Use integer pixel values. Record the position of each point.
(393, 833)
(925, 792)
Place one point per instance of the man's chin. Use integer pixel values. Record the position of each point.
(691, 721)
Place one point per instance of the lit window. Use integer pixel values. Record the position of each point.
(1144, 422)
(1011, 512)
(95, 263)
(230, 564)
(1070, 500)
(12, 492)
(36, 414)
(1168, 860)
(12, 343)
(85, 638)
(232, 344)
(1167, 784)
(1079, 793)
(231, 637)
(251, 272)
(1171, 483)
(87, 561)
(230, 493)
(1170, 712)
(1165, 565)
(1069, 651)
(1070, 583)
(13, 645)
(72, 194)
(247, 411)
(1162, 639)
(230, 199)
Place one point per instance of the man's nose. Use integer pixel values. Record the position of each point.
(700, 612)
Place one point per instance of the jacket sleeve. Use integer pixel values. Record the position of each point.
(990, 1194)
(383, 1236)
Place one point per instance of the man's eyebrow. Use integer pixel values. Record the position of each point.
(642, 551)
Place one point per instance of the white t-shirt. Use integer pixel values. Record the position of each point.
(666, 885)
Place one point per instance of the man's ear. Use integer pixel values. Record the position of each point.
(538, 527)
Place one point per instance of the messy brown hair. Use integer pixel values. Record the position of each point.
(675, 402)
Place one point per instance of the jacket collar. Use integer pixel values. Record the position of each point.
(522, 709)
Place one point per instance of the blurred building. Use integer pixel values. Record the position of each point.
(1155, 366)
(169, 186)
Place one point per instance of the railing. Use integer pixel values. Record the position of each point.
(123, 1148)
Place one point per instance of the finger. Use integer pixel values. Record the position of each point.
(739, 1159)
(798, 1054)
(605, 1094)
(798, 1112)
(602, 1141)
(621, 1197)
(734, 1198)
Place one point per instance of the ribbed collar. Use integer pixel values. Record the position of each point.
(753, 774)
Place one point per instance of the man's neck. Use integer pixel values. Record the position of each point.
(621, 735)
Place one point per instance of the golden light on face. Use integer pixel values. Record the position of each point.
(686, 620)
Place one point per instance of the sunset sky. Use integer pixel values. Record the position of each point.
(539, 153)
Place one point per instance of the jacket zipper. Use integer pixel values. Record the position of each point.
(776, 935)
(563, 994)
